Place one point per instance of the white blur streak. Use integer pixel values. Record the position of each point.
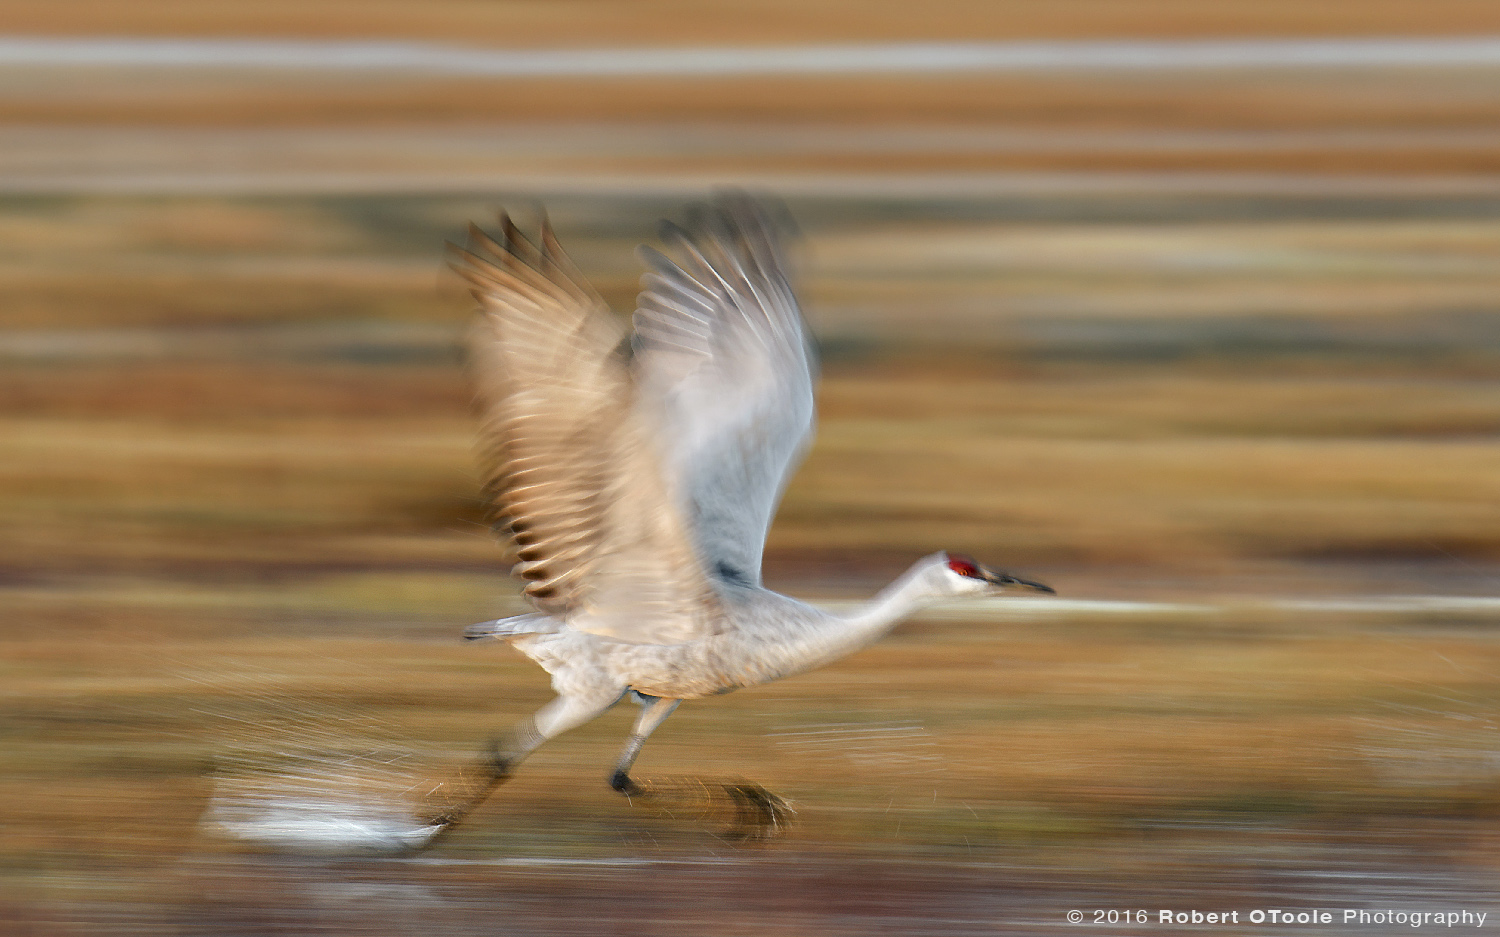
(903, 746)
(1047, 606)
(877, 58)
(1434, 736)
(301, 814)
(310, 773)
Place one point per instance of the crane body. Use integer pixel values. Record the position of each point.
(638, 486)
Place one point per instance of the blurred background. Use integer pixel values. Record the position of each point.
(1204, 335)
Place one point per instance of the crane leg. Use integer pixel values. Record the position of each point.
(453, 800)
(755, 813)
(654, 711)
(552, 720)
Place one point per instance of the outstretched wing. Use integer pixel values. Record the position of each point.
(565, 456)
(722, 356)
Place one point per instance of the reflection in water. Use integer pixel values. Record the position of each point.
(793, 891)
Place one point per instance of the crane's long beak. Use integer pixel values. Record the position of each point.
(1006, 580)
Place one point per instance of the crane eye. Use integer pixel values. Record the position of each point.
(964, 566)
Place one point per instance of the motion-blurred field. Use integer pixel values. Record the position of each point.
(1215, 355)
(240, 516)
(194, 384)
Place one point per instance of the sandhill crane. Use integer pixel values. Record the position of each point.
(639, 485)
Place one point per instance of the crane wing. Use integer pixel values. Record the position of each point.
(723, 357)
(566, 457)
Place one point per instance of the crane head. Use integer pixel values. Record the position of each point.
(966, 576)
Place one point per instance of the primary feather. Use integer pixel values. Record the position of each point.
(568, 455)
(722, 360)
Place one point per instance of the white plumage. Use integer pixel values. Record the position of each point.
(639, 480)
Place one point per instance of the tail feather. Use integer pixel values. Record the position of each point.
(504, 628)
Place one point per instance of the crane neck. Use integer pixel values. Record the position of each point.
(911, 591)
(808, 642)
(908, 593)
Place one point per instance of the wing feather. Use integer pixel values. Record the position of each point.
(723, 357)
(567, 460)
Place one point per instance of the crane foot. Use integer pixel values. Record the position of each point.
(750, 813)
(760, 815)
(452, 799)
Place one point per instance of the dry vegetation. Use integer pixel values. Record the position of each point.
(239, 511)
(1170, 409)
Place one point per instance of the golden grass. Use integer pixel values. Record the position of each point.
(185, 463)
(267, 447)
